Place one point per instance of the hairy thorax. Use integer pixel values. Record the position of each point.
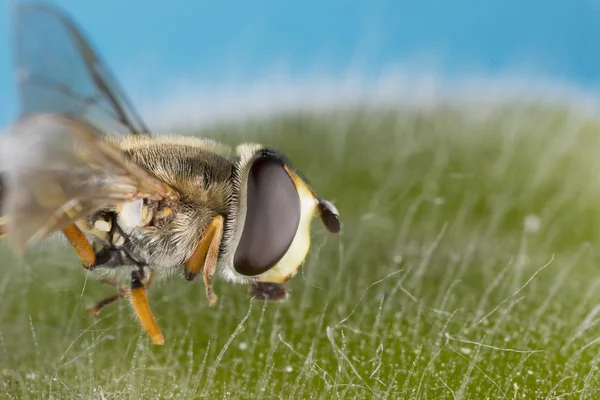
(164, 234)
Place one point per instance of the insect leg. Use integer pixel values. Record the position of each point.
(205, 257)
(103, 303)
(2, 227)
(82, 246)
(122, 292)
(139, 301)
(194, 264)
(210, 265)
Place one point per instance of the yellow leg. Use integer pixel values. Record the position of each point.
(136, 293)
(82, 246)
(205, 257)
(139, 301)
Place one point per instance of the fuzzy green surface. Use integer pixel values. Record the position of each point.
(467, 268)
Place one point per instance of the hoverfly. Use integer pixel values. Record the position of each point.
(80, 160)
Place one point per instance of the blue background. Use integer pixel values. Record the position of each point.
(150, 44)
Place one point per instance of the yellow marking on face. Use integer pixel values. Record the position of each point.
(287, 267)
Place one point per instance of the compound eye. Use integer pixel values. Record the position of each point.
(272, 217)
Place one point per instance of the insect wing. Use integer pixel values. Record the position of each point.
(57, 161)
(57, 171)
(58, 71)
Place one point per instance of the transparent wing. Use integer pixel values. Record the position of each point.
(58, 169)
(58, 71)
(57, 162)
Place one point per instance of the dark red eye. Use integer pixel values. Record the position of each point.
(272, 217)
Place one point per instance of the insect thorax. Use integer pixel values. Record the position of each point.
(160, 234)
